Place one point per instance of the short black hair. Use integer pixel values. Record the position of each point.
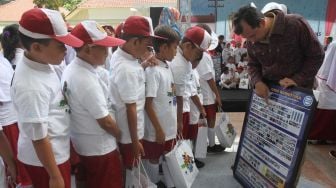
(221, 37)
(128, 37)
(28, 41)
(205, 27)
(10, 41)
(250, 15)
(166, 32)
(243, 56)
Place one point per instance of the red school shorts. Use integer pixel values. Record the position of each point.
(185, 122)
(40, 177)
(191, 132)
(100, 171)
(12, 134)
(128, 158)
(210, 111)
(153, 150)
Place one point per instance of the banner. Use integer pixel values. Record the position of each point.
(274, 138)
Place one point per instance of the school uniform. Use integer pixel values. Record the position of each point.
(206, 72)
(194, 111)
(42, 112)
(182, 74)
(88, 97)
(127, 85)
(160, 86)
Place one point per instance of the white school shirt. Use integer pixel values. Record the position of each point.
(181, 69)
(160, 86)
(196, 90)
(18, 56)
(206, 72)
(7, 111)
(327, 96)
(88, 98)
(127, 85)
(238, 52)
(42, 111)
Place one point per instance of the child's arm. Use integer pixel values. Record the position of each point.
(214, 89)
(110, 126)
(132, 126)
(7, 155)
(199, 105)
(159, 134)
(179, 110)
(46, 156)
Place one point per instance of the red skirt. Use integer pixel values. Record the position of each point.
(324, 125)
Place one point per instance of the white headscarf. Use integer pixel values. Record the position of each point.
(327, 71)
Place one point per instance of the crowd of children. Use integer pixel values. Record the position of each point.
(69, 92)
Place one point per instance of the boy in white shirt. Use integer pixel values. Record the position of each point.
(42, 110)
(127, 87)
(195, 41)
(228, 80)
(93, 130)
(160, 119)
(211, 98)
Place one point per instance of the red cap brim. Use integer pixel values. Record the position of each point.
(109, 42)
(70, 40)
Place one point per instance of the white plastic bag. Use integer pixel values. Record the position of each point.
(181, 164)
(224, 130)
(201, 140)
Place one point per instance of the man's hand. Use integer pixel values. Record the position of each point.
(138, 149)
(287, 82)
(56, 182)
(262, 90)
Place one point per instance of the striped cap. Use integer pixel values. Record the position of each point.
(40, 23)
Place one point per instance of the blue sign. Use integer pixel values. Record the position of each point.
(274, 138)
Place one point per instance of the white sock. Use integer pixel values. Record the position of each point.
(152, 170)
(166, 175)
(211, 136)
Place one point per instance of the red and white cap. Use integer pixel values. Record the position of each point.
(90, 32)
(139, 25)
(40, 23)
(199, 37)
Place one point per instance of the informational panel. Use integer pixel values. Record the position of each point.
(274, 137)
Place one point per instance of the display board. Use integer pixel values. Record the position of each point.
(274, 138)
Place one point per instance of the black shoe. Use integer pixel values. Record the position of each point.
(332, 154)
(199, 164)
(160, 184)
(215, 149)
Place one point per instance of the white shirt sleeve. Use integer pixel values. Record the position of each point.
(204, 67)
(179, 74)
(33, 110)
(94, 101)
(33, 106)
(152, 82)
(35, 131)
(127, 86)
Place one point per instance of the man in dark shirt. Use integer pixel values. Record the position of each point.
(281, 48)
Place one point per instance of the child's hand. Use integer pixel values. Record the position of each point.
(138, 150)
(56, 182)
(12, 173)
(160, 136)
(117, 134)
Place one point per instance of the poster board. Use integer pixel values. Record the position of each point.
(274, 138)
